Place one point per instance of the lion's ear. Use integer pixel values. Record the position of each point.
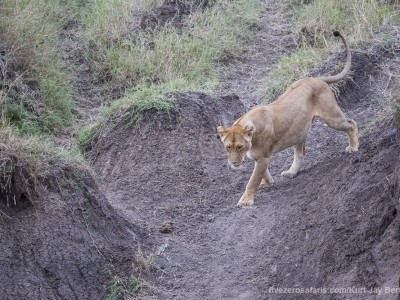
(248, 132)
(221, 131)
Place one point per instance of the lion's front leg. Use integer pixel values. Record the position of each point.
(254, 182)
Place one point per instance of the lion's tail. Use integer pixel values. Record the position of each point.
(341, 75)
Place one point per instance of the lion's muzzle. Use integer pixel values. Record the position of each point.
(236, 167)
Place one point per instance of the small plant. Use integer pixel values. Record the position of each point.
(141, 262)
(119, 287)
(134, 284)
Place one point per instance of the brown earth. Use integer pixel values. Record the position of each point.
(65, 242)
(333, 225)
(165, 186)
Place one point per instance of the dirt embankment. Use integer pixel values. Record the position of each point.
(65, 242)
(334, 225)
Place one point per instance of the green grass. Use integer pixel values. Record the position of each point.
(35, 83)
(36, 93)
(132, 105)
(87, 135)
(118, 288)
(106, 21)
(362, 22)
(140, 99)
(133, 286)
(149, 64)
(169, 54)
(289, 69)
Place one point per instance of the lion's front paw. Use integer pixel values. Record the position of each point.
(350, 149)
(245, 201)
(288, 174)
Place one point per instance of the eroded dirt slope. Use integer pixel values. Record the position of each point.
(335, 224)
(65, 244)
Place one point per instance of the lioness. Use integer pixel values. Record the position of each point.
(268, 129)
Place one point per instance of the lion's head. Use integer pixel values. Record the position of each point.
(237, 141)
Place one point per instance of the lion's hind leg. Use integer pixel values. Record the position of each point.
(350, 127)
(332, 115)
(352, 133)
(340, 122)
(299, 152)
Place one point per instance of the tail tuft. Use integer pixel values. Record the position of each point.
(336, 33)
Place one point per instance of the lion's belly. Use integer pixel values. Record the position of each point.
(291, 138)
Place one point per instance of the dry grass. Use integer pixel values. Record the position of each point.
(148, 64)
(34, 84)
(362, 22)
(188, 55)
(25, 162)
(136, 286)
(19, 169)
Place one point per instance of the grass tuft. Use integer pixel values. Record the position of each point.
(87, 136)
(132, 105)
(25, 161)
(135, 285)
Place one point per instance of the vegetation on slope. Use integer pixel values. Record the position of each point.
(362, 22)
(25, 161)
(136, 65)
(139, 64)
(147, 64)
(35, 91)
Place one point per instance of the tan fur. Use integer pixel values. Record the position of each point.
(268, 129)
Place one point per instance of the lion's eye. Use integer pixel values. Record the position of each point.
(239, 148)
(228, 148)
